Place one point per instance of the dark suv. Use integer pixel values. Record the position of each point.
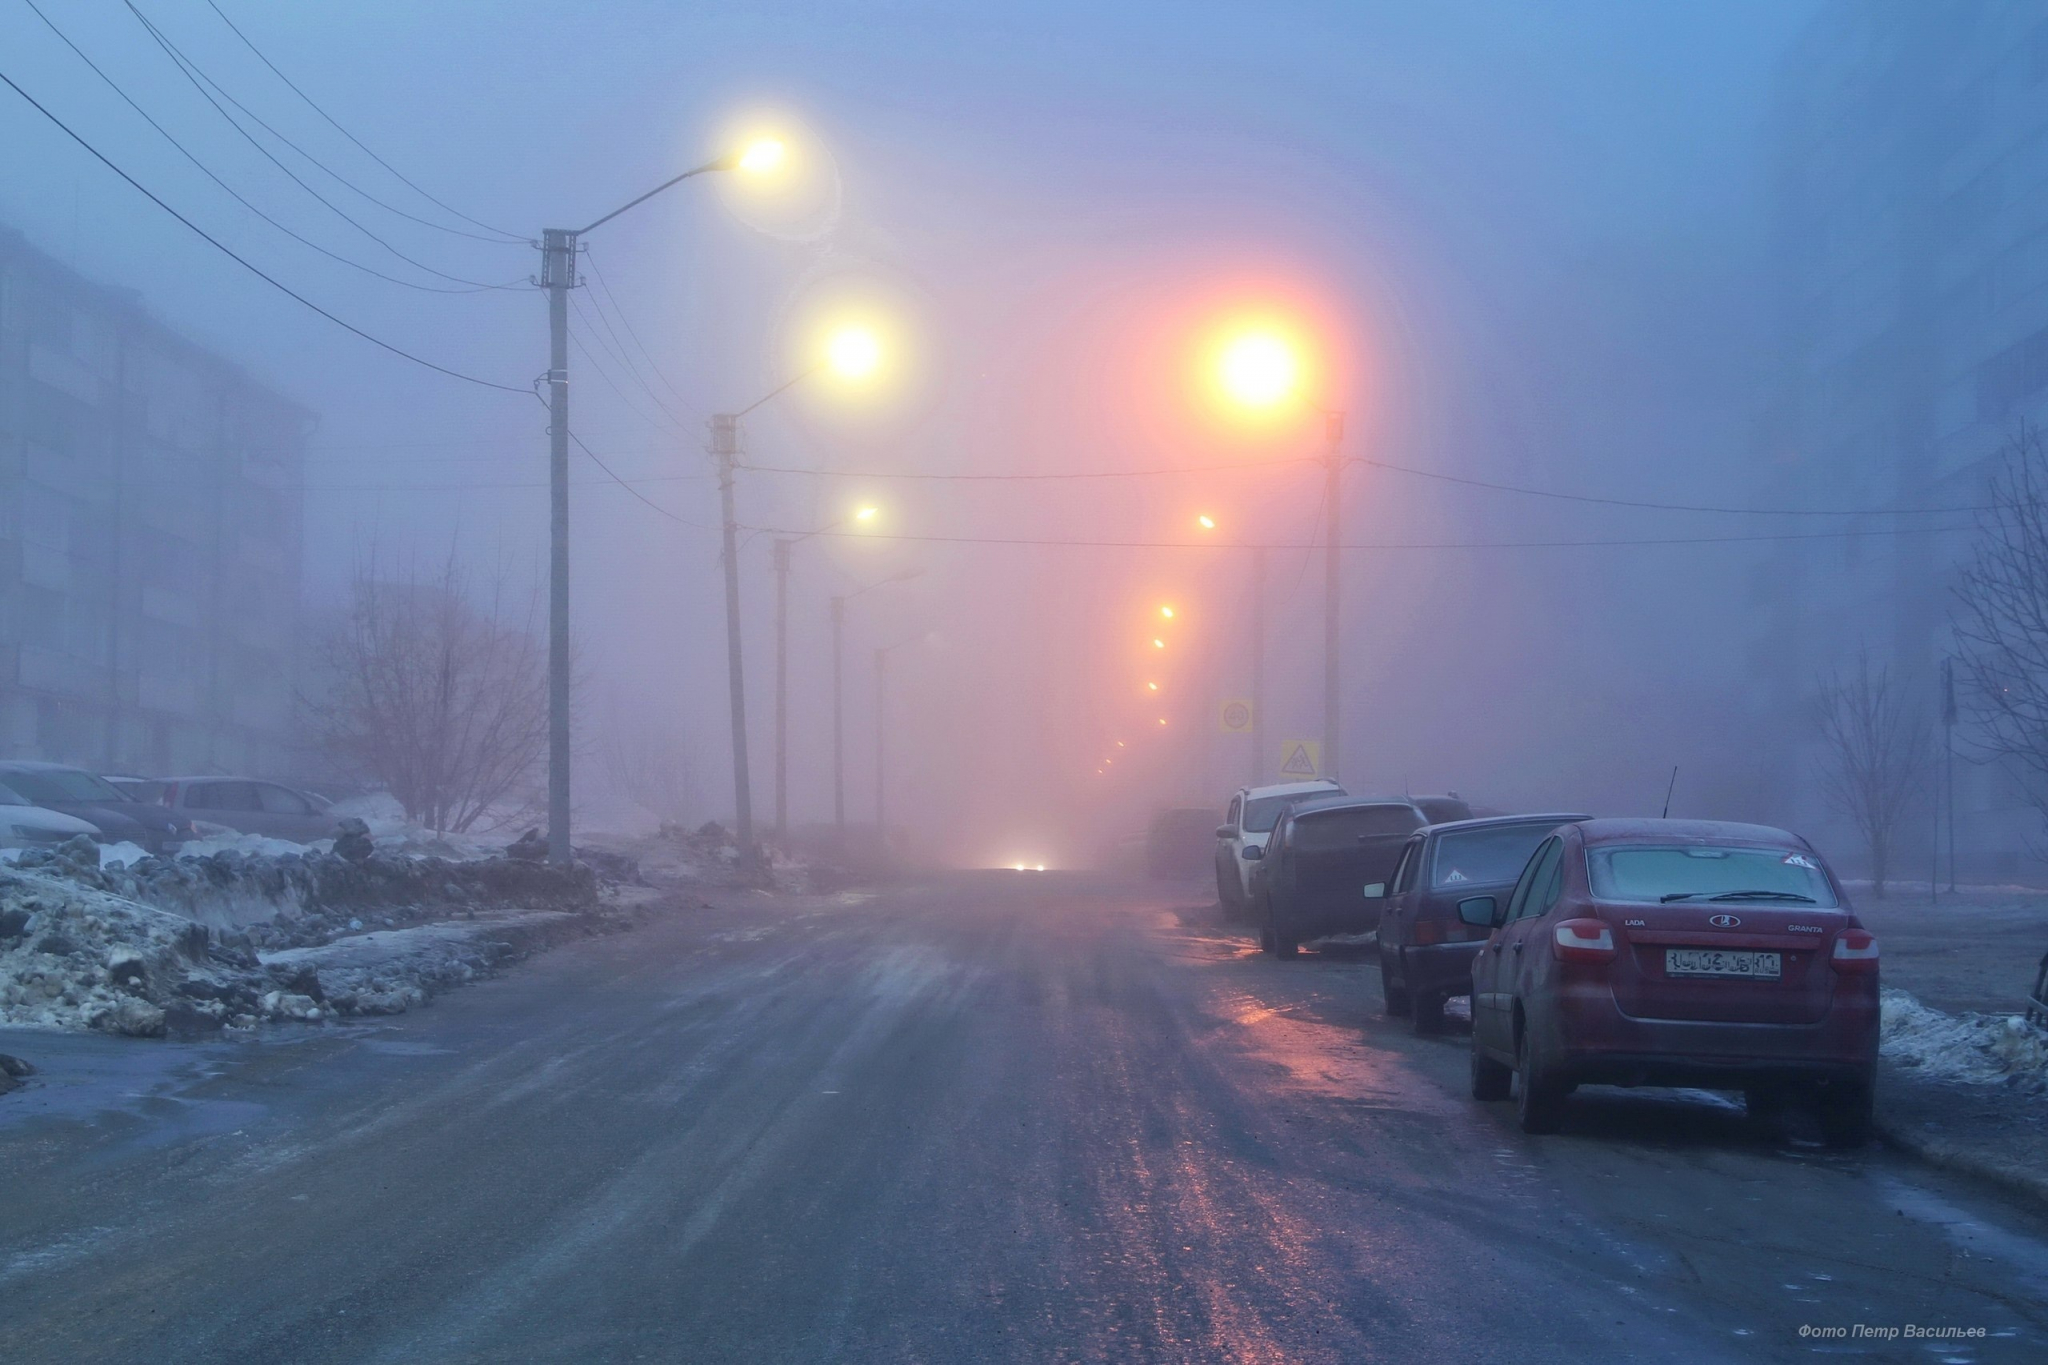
(1325, 867)
(1426, 951)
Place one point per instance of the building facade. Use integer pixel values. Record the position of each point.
(151, 523)
(1910, 165)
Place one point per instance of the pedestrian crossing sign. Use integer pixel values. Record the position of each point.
(1301, 759)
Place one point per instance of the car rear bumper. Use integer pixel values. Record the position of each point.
(1302, 923)
(1440, 968)
(1590, 1039)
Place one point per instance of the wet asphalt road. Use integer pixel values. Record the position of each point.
(994, 1118)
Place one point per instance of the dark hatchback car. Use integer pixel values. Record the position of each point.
(252, 807)
(1426, 951)
(1676, 952)
(88, 796)
(1312, 875)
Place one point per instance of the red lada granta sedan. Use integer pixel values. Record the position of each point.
(1675, 952)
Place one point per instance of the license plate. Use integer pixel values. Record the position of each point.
(1720, 962)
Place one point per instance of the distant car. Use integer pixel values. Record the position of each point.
(1176, 842)
(1247, 825)
(23, 824)
(1324, 871)
(251, 806)
(1426, 951)
(148, 790)
(1441, 810)
(89, 797)
(1676, 952)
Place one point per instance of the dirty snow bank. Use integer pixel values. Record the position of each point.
(1981, 1049)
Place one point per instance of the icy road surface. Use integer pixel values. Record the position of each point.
(995, 1118)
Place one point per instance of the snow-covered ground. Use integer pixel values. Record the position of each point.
(1980, 1049)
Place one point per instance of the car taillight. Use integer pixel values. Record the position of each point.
(1583, 940)
(1856, 952)
(1428, 932)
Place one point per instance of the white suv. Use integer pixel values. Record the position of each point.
(1248, 824)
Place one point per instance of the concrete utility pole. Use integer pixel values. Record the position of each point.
(725, 450)
(558, 277)
(782, 549)
(838, 719)
(1333, 436)
(1258, 663)
(881, 746)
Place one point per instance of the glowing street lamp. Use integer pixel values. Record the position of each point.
(763, 156)
(1158, 644)
(1167, 612)
(1206, 522)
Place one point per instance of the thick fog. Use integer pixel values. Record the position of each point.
(1525, 245)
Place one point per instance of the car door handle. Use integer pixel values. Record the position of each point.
(1496, 947)
(1518, 947)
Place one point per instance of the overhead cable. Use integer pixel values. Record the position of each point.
(217, 245)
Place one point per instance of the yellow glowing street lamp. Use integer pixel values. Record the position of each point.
(1167, 612)
(1158, 644)
(853, 352)
(1206, 522)
(763, 156)
(1259, 368)
(1152, 686)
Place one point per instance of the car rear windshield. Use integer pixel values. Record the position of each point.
(1638, 873)
(48, 786)
(1484, 855)
(1261, 813)
(1344, 828)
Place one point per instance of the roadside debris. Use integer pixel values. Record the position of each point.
(1979, 1049)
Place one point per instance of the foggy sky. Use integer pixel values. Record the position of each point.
(1536, 231)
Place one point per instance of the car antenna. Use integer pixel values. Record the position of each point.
(1667, 793)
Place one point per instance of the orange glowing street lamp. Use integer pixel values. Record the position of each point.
(1262, 369)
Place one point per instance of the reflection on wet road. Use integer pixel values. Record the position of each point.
(989, 1118)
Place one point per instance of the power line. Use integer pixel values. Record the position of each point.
(615, 352)
(1029, 478)
(627, 323)
(576, 340)
(509, 237)
(208, 172)
(216, 244)
(199, 80)
(1383, 545)
(1672, 506)
(594, 459)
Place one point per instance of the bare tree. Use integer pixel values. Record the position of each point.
(1876, 756)
(2001, 625)
(436, 693)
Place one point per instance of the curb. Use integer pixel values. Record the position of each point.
(1947, 1156)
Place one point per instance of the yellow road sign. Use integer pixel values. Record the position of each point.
(1235, 716)
(1301, 759)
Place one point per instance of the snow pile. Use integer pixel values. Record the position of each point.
(710, 853)
(1980, 1049)
(75, 957)
(244, 844)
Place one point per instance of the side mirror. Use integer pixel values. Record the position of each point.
(1225, 831)
(1375, 890)
(1479, 911)
(1252, 853)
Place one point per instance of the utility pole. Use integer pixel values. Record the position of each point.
(838, 720)
(725, 450)
(782, 548)
(1948, 725)
(1333, 437)
(558, 277)
(1258, 663)
(881, 746)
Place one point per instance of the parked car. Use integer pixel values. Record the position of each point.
(1247, 825)
(1325, 856)
(23, 824)
(250, 806)
(74, 791)
(148, 790)
(1426, 951)
(1176, 841)
(1675, 952)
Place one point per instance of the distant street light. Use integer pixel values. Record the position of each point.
(1206, 522)
(851, 353)
(783, 546)
(558, 276)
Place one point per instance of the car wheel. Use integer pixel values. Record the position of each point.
(1539, 1096)
(1396, 997)
(1428, 1009)
(1846, 1109)
(1490, 1080)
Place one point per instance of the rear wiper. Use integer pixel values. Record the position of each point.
(1678, 896)
(1764, 896)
